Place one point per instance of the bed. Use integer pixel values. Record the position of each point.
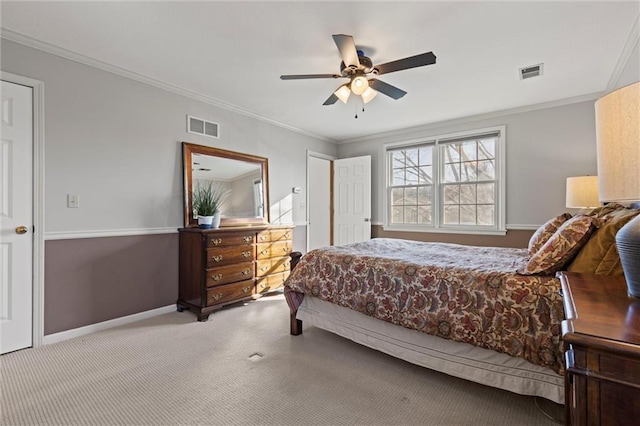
(487, 314)
(461, 310)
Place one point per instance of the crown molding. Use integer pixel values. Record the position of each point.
(632, 40)
(478, 117)
(132, 75)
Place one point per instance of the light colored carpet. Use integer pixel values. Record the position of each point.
(172, 370)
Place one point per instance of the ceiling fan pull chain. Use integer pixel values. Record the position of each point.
(356, 111)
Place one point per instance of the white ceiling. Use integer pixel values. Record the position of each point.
(234, 52)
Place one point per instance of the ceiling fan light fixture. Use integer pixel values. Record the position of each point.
(368, 95)
(359, 85)
(343, 93)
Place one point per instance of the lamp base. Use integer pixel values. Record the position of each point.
(628, 243)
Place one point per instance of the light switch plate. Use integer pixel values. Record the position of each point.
(73, 201)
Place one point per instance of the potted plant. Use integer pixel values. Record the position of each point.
(207, 200)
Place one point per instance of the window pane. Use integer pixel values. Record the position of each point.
(467, 215)
(426, 155)
(486, 193)
(398, 177)
(412, 176)
(486, 170)
(412, 157)
(451, 194)
(424, 195)
(468, 151)
(451, 215)
(486, 149)
(397, 196)
(411, 196)
(411, 214)
(467, 194)
(486, 215)
(452, 172)
(469, 171)
(398, 159)
(451, 153)
(424, 215)
(397, 214)
(426, 174)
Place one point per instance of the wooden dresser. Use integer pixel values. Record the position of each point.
(602, 337)
(228, 265)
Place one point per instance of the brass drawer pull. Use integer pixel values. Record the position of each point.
(247, 239)
(287, 264)
(287, 235)
(263, 237)
(216, 241)
(285, 249)
(263, 252)
(246, 253)
(217, 277)
(217, 258)
(246, 271)
(216, 296)
(246, 289)
(264, 268)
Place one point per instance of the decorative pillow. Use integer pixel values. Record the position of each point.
(545, 232)
(603, 211)
(600, 254)
(561, 247)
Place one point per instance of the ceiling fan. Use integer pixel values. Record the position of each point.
(357, 68)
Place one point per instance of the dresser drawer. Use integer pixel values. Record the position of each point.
(277, 249)
(271, 282)
(273, 265)
(220, 256)
(229, 274)
(269, 235)
(229, 292)
(237, 239)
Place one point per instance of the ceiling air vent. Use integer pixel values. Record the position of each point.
(530, 71)
(203, 127)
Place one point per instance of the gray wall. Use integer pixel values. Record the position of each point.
(116, 143)
(543, 148)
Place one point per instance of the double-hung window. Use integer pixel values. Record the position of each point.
(450, 183)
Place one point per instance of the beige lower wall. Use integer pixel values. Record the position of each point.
(513, 238)
(90, 280)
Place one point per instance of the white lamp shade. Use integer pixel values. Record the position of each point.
(368, 95)
(618, 144)
(343, 93)
(359, 85)
(582, 192)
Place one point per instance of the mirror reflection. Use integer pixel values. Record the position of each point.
(242, 177)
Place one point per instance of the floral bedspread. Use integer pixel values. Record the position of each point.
(462, 293)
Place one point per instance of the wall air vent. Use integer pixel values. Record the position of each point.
(203, 127)
(531, 71)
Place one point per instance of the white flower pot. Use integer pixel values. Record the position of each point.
(205, 222)
(215, 223)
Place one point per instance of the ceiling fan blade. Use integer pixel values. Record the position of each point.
(347, 48)
(331, 100)
(387, 89)
(404, 64)
(305, 76)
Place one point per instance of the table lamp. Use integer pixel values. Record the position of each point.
(618, 146)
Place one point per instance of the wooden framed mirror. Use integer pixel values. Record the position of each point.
(245, 176)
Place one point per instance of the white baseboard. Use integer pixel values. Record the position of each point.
(88, 329)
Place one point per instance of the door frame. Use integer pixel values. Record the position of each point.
(38, 201)
(323, 157)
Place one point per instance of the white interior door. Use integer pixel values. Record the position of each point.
(16, 213)
(351, 200)
(319, 223)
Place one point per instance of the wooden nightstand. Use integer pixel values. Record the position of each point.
(602, 337)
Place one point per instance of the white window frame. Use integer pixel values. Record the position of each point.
(437, 226)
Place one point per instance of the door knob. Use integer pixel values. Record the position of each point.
(21, 230)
